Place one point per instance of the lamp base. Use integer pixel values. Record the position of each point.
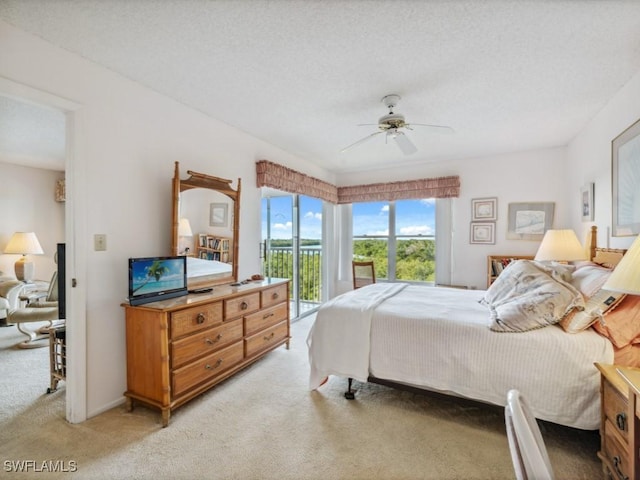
(24, 269)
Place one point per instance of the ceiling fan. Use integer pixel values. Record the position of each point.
(392, 124)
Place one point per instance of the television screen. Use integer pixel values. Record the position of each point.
(156, 278)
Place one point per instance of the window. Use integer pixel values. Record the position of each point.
(408, 252)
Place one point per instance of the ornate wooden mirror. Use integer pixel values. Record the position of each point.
(206, 216)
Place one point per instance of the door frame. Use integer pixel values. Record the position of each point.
(75, 232)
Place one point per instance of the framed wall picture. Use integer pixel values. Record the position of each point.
(484, 209)
(625, 172)
(218, 214)
(483, 232)
(586, 202)
(529, 221)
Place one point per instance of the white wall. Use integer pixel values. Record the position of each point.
(589, 159)
(535, 176)
(27, 204)
(129, 138)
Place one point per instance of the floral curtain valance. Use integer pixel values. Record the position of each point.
(442, 187)
(272, 175)
(269, 174)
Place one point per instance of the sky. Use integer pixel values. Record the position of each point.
(413, 217)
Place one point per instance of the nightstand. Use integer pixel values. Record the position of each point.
(617, 424)
(632, 378)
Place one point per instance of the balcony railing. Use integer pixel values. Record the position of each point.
(279, 262)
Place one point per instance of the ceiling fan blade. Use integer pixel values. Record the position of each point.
(433, 128)
(362, 140)
(405, 144)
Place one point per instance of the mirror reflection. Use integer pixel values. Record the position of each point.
(205, 227)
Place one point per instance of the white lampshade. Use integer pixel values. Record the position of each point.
(625, 277)
(561, 246)
(24, 243)
(184, 228)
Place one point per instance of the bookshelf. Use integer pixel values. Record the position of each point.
(211, 247)
(497, 263)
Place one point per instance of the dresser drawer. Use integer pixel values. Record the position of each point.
(193, 319)
(206, 368)
(207, 341)
(615, 452)
(265, 339)
(271, 296)
(237, 306)
(265, 318)
(615, 409)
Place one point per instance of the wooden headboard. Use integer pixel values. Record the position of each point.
(608, 257)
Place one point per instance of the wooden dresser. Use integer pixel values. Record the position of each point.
(179, 348)
(617, 430)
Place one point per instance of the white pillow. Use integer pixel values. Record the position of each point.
(589, 279)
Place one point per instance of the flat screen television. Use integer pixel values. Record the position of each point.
(157, 278)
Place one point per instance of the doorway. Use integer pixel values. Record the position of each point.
(74, 212)
(292, 247)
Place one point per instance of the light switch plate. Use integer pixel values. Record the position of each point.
(99, 242)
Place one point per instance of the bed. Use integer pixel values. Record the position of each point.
(198, 268)
(450, 341)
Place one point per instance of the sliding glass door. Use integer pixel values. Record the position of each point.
(292, 247)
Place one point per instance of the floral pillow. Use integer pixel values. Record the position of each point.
(565, 271)
(528, 295)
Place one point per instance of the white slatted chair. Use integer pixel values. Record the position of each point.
(528, 451)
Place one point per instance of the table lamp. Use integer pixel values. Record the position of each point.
(184, 230)
(625, 277)
(24, 243)
(560, 246)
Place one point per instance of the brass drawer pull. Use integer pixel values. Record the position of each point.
(244, 306)
(268, 315)
(616, 462)
(218, 363)
(200, 318)
(211, 342)
(269, 337)
(621, 420)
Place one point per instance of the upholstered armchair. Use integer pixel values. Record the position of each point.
(10, 290)
(39, 308)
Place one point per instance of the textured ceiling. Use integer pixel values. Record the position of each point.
(505, 75)
(31, 135)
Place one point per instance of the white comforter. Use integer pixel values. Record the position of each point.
(439, 339)
(198, 267)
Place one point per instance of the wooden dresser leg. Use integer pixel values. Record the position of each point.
(165, 417)
(129, 404)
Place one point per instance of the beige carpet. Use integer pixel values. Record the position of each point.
(264, 424)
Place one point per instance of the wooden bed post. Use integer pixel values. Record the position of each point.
(593, 242)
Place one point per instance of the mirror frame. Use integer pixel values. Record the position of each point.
(222, 185)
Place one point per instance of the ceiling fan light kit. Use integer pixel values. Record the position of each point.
(392, 122)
